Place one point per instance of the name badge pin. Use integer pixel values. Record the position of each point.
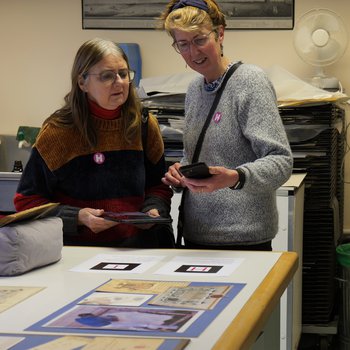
(217, 117)
(99, 158)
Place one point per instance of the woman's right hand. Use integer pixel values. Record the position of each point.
(173, 177)
(92, 218)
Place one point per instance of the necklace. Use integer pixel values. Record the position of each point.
(213, 85)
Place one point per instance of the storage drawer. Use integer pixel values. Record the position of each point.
(8, 186)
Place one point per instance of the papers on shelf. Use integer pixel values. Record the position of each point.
(292, 91)
(166, 84)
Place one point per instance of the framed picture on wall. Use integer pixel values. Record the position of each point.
(142, 14)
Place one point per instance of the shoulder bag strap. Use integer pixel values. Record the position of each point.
(144, 128)
(212, 109)
(199, 146)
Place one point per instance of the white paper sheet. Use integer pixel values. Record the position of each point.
(118, 264)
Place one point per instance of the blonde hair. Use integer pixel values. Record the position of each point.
(191, 18)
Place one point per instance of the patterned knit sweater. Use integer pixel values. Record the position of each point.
(246, 131)
(115, 177)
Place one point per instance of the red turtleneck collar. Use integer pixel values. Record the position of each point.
(103, 113)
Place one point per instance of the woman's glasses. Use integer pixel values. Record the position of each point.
(110, 76)
(183, 46)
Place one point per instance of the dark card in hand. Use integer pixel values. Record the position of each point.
(135, 217)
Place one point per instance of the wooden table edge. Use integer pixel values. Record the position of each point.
(245, 328)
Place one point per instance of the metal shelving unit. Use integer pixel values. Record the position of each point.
(316, 134)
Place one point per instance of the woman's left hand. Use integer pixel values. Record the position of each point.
(222, 178)
(153, 213)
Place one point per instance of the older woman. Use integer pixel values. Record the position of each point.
(89, 155)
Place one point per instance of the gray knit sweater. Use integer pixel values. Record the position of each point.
(249, 135)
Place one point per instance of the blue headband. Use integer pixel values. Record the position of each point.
(200, 4)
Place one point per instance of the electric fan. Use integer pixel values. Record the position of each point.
(320, 39)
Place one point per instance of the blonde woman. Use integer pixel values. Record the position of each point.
(245, 144)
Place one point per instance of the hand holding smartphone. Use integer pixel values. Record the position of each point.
(195, 171)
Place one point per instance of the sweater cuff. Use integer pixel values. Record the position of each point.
(241, 180)
(69, 216)
(156, 203)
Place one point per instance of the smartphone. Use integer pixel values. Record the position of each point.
(195, 171)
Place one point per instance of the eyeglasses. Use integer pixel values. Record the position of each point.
(183, 46)
(110, 76)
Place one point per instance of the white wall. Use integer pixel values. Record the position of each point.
(39, 39)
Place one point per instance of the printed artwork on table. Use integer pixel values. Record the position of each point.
(194, 297)
(12, 295)
(139, 286)
(125, 318)
(116, 299)
(73, 342)
(143, 308)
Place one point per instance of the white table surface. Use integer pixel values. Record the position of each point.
(63, 286)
